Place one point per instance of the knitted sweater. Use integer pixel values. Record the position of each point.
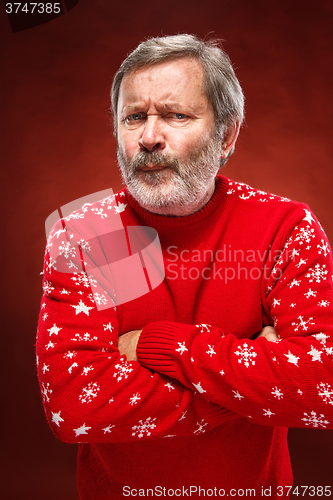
(207, 405)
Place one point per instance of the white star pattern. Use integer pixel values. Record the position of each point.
(316, 355)
(56, 418)
(292, 358)
(81, 307)
(308, 217)
(81, 430)
(199, 388)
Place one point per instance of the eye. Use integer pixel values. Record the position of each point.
(179, 116)
(134, 118)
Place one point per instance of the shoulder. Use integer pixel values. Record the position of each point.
(248, 198)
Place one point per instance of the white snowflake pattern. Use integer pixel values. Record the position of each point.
(325, 391)
(70, 354)
(305, 235)
(201, 427)
(210, 351)
(181, 348)
(46, 368)
(203, 327)
(294, 283)
(100, 212)
(303, 324)
(123, 369)
(323, 248)
(108, 429)
(317, 273)
(237, 395)
(89, 392)
(86, 337)
(134, 399)
(83, 279)
(246, 354)
(323, 303)
(47, 287)
(87, 369)
(314, 420)
(144, 428)
(50, 345)
(100, 299)
(84, 245)
(109, 327)
(74, 365)
(46, 391)
(310, 293)
(277, 393)
(67, 250)
(169, 385)
(268, 413)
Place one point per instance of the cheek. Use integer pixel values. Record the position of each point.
(127, 144)
(186, 143)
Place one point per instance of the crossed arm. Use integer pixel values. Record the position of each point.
(127, 343)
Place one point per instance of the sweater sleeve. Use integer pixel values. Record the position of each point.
(91, 393)
(286, 383)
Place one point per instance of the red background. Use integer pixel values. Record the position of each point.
(58, 146)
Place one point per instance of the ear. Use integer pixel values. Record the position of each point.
(229, 139)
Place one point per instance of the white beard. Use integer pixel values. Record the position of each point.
(183, 184)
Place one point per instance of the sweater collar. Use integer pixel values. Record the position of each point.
(177, 221)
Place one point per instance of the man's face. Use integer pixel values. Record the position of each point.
(168, 151)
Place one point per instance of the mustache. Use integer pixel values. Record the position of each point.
(145, 159)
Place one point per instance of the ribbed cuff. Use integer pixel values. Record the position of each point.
(156, 346)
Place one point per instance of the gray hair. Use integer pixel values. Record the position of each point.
(221, 85)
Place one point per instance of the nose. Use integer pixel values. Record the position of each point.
(152, 138)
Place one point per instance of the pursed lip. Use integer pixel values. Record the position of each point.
(153, 168)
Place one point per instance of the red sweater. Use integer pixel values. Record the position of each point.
(207, 405)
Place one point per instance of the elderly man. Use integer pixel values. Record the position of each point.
(188, 390)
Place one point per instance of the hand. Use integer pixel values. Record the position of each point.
(127, 344)
(269, 333)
